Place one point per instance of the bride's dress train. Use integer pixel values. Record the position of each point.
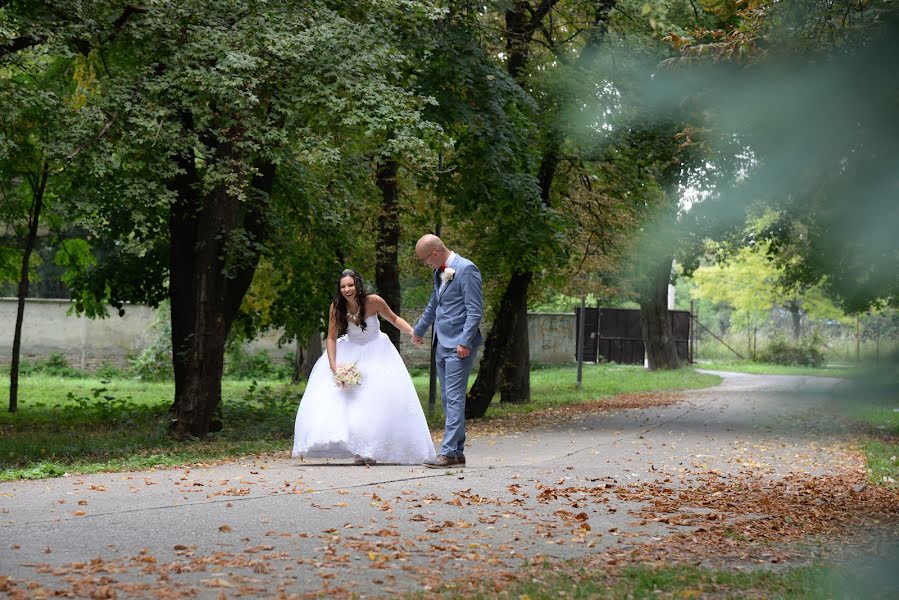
(379, 419)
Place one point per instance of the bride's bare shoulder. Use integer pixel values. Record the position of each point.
(374, 305)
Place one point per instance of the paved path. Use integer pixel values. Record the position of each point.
(276, 525)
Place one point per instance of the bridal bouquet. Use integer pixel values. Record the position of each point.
(347, 375)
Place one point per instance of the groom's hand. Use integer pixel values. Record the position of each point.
(417, 339)
(462, 351)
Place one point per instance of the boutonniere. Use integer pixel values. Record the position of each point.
(447, 275)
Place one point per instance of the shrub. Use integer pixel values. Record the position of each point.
(109, 371)
(154, 363)
(55, 365)
(805, 354)
(240, 364)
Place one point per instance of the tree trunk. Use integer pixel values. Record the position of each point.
(796, 315)
(30, 241)
(497, 348)
(506, 361)
(313, 352)
(387, 274)
(655, 320)
(518, 38)
(515, 376)
(296, 374)
(204, 296)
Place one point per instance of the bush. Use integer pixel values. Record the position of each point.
(781, 352)
(240, 364)
(108, 371)
(154, 363)
(54, 365)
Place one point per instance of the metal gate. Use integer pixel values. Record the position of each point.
(615, 335)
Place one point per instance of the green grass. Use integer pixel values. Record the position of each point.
(771, 369)
(686, 581)
(556, 386)
(878, 409)
(883, 466)
(872, 400)
(89, 425)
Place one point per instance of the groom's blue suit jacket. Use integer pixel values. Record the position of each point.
(456, 310)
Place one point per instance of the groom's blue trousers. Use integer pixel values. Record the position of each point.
(453, 373)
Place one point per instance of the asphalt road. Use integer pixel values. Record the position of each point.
(269, 526)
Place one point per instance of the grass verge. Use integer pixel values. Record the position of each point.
(91, 425)
(818, 580)
(872, 400)
(772, 369)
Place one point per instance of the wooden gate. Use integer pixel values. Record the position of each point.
(615, 335)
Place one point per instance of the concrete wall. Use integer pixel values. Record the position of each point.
(552, 338)
(89, 343)
(47, 328)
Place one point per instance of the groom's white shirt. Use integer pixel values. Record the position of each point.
(447, 262)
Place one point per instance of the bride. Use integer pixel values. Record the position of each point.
(379, 419)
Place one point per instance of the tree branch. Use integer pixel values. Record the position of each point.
(695, 10)
(126, 14)
(93, 141)
(538, 14)
(84, 46)
(19, 43)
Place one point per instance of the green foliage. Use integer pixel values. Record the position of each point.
(265, 403)
(101, 406)
(225, 87)
(562, 303)
(54, 365)
(781, 352)
(10, 264)
(76, 257)
(241, 364)
(42, 471)
(154, 362)
(827, 181)
(751, 285)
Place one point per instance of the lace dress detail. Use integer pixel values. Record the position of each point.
(381, 418)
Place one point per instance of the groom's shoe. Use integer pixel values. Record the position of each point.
(444, 462)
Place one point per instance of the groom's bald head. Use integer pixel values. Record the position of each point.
(427, 244)
(430, 250)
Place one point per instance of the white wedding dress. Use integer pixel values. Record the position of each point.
(379, 419)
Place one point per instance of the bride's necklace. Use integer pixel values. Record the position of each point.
(353, 316)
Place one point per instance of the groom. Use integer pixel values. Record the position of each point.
(455, 310)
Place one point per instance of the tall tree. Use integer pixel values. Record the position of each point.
(573, 41)
(42, 131)
(387, 274)
(826, 168)
(207, 99)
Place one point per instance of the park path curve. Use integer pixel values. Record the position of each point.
(269, 526)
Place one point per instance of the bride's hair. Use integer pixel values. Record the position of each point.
(340, 307)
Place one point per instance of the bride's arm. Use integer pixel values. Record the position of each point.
(332, 340)
(389, 315)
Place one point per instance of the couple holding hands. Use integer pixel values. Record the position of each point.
(379, 419)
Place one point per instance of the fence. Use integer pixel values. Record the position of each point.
(89, 343)
(615, 335)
